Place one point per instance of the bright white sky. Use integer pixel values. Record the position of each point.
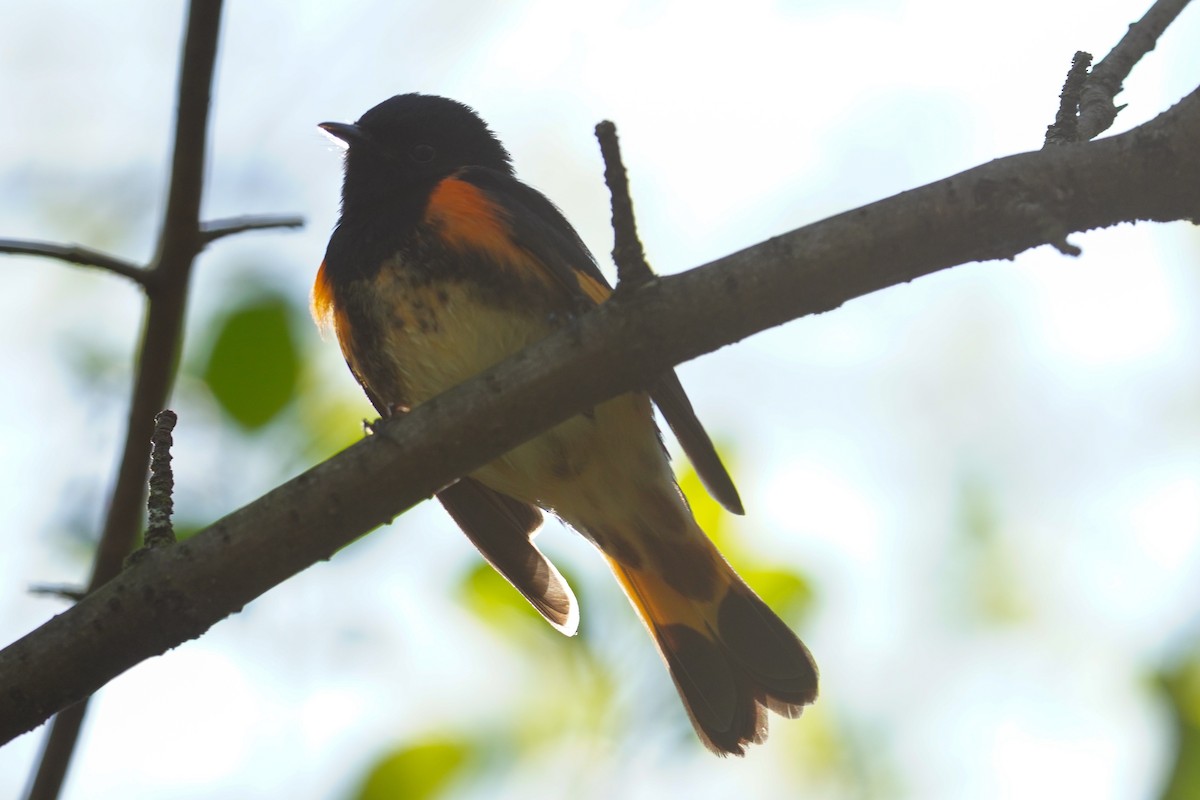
(1067, 387)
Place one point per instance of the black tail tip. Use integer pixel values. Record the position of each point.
(728, 683)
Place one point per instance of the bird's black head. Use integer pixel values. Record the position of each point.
(401, 148)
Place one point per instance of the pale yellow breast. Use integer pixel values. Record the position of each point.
(439, 336)
(598, 466)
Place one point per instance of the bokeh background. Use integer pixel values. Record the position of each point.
(976, 496)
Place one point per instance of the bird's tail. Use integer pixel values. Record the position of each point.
(730, 656)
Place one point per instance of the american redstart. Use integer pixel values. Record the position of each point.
(441, 265)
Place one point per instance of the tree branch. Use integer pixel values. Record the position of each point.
(628, 253)
(220, 228)
(74, 254)
(1096, 109)
(1065, 128)
(179, 242)
(161, 503)
(60, 590)
(176, 593)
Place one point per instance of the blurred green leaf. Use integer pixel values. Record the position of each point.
(978, 517)
(496, 602)
(786, 591)
(253, 366)
(993, 582)
(710, 515)
(1181, 686)
(492, 598)
(416, 772)
(331, 419)
(574, 689)
(188, 528)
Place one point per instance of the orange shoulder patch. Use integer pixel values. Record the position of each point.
(593, 288)
(468, 220)
(321, 305)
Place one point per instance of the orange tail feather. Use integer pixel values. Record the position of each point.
(731, 658)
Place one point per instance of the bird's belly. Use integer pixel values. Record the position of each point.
(438, 336)
(594, 466)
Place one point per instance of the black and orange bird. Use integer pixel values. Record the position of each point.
(443, 264)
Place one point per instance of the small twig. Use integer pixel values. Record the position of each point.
(1096, 109)
(219, 228)
(65, 591)
(1065, 127)
(1065, 247)
(162, 481)
(75, 254)
(628, 253)
(1048, 226)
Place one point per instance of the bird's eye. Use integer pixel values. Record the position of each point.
(423, 153)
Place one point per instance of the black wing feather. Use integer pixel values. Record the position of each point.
(502, 529)
(539, 227)
(667, 393)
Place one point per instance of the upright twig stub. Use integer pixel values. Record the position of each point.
(1065, 128)
(160, 503)
(628, 253)
(1087, 109)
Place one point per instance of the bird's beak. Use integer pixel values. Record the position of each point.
(345, 132)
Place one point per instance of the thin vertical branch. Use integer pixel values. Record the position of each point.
(179, 242)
